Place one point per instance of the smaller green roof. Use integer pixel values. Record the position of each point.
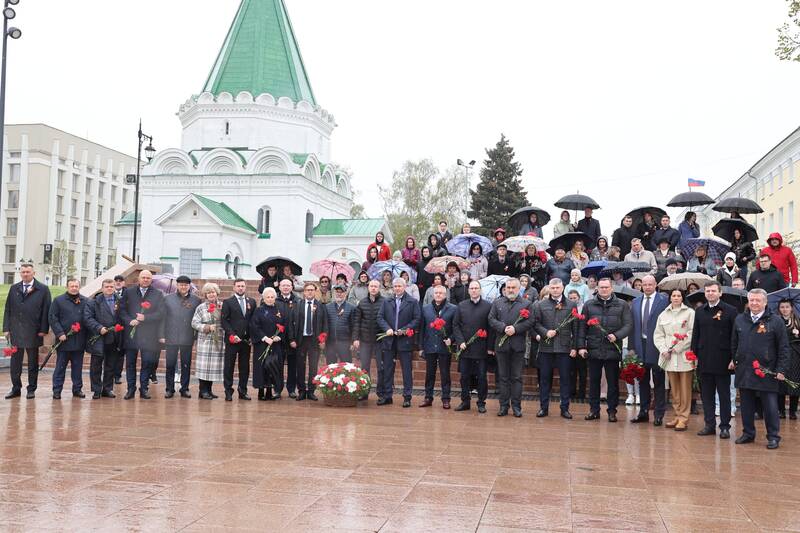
(225, 214)
(127, 219)
(350, 227)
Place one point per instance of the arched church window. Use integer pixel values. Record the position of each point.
(262, 223)
(227, 127)
(235, 267)
(228, 265)
(309, 226)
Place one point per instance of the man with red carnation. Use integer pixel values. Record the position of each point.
(475, 340)
(66, 321)
(511, 319)
(713, 327)
(178, 335)
(237, 311)
(308, 321)
(759, 342)
(398, 318)
(101, 316)
(437, 333)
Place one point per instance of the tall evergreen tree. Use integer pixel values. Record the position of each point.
(500, 190)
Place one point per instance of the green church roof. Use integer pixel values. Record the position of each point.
(260, 55)
(225, 214)
(127, 219)
(363, 227)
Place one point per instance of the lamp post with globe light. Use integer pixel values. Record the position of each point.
(15, 33)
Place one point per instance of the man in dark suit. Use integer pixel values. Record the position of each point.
(396, 317)
(309, 322)
(66, 314)
(100, 316)
(236, 314)
(506, 319)
(119, 288)
(436, 344)
(286, 303)
(26, 324)
(141, 310)
(644, 312)
(471, 316)
(713, 328)
(759, 336)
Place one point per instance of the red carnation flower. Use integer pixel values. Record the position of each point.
(482, 334)
(524, 313)
(409, 332)
(756, 364)
(760, 373)
(690, 356)
(76, 327)
(232, 339)
(593, 322)
(323, 338)
(118, 328)
(146, 305)
(9, 351)
(281, 327)
(211, 308)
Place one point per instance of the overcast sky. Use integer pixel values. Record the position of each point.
(621, 100)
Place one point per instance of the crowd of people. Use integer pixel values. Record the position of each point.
(548, 315)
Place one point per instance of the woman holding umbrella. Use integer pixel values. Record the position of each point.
(577, 254)
(563, 225)
(790, 318)
(701, 262)
(265, 330)
(478, 266)
(297, 285)
(532, 226)
(688, 228)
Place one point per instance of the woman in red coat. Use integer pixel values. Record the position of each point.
(384, 253)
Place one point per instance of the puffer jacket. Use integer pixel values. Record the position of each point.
(366, 322)
(615, 317)
(672, 322)
(782, 258)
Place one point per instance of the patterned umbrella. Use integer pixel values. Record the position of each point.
(715, 247)
(438, 265)
(791, 294)
(594, 268)
(332, 268)
(491, 285)
(683, 280)
(520, 242)
(395, 267)
(461, 243)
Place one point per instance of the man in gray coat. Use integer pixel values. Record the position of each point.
(510, 318)
(178, 335)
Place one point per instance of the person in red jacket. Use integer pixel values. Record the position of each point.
(782, 258)
(384, 253)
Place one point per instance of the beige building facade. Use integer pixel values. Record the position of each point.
(61, 195)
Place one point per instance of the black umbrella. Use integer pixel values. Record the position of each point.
(577, 202)
(567, 241)
(743, 206)
(638, 214)
(278, 261)
(626, 268)
(627, 293)
(690, 199)
(734, 297)
(724, 229)
(521, 216)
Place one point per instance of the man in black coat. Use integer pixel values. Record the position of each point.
(472, 316)
(436, 344)
(511, 318)
(759, 341)
(66, 321)
(141, 310)
(713, 327)
(286, 302)
(603, 345)
(101, 315)
(623, 235)
(558, 346)
(340, 316)
(665, 231)
(309, 322)
(119, 288)
(589, 225)
(444, 234)
(398, 316)
(26, 323)
(502, 263)
(178, 335)
(766, 276)
(367, 331)
(237, 311)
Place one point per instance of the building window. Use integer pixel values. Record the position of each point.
(83, 281)
(11, 227)
(61, 175)
(13, 199)
(228, 266)
(72, 232)
(88, 188)
(190, 262)
(14, 173)
(771, 185)
(87, 207)
(309, 226)
(99, 240)
(790, 222)
(8, 278)
(75, 179)
(235, 267)
(263, 220)
(111, 239)
(58, 231)
(99, 213)
(113, 193)
(11, 253)
(101, 188)
(112, 217)
(125, 196)
(74, 207)
(780, 179)
(71, 257)
(111, 261)
(771, 227)
(59, 205)
(780, 220)
(84, 258)
(85, 235)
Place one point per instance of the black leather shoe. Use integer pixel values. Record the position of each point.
(95, 396)
(311, 396)
(56, 395)
(542, 413)
(169, 394)
(724, 434)
(30, 395)
(517, 411)
(78, 394)
(13, 394)
(117, 381)
(744, 439)
(244, 396)
(758, 416)
(153, 378)
(300, 396)
(772, 445)
(566, 414)
(406, 403)
(128, 395)
(612, 417)
(481, 408)
(706, 431)
(228, 397)
(640, 418)
(793, 416)
(206, 396)
(503, 411)
(185, 394)
(782, 415)
(261, 396)
(384, 401)
(292, 395)
(463, 406)
(658, 421)
(108, 394)
(144, 395)
(213, 396)
(592, 416)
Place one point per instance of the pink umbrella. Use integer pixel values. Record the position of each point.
(332, 268)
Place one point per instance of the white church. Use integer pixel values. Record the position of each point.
(253, 177)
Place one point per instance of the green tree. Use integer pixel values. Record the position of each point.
(788, 48)
(418, 197)
(499, 192)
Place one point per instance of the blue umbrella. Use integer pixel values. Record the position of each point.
(793, 295)
(593, 268)
(460, 244)
(395, 267)
(491, 285)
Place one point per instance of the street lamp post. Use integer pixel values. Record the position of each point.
(149, 153)
(14, 33)
(467, 168)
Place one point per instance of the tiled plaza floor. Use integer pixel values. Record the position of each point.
(204, 466)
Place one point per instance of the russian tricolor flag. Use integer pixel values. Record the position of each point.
(696, 183)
